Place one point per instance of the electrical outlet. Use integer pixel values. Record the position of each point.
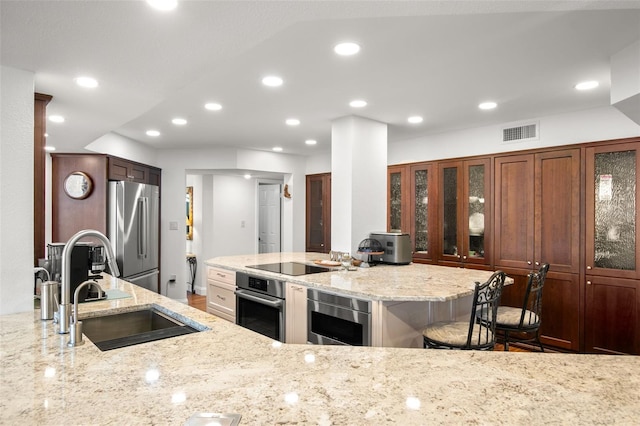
(172, 278)
(242, 224)
(173, 226)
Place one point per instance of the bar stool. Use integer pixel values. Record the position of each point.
(526, 319)
(479, 331)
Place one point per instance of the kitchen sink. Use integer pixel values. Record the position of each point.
(132, 328)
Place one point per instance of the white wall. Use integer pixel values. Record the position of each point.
(176, 164)
(16, 190)
(123, 147)
(563, 129)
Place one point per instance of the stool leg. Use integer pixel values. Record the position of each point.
(506, 341)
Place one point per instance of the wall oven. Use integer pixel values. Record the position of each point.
(338, 320)
(260, 305)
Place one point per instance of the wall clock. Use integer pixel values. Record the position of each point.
(78, 185)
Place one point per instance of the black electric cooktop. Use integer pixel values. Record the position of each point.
(290, 268)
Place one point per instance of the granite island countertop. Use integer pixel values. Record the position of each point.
(229, 369)
(413, 282)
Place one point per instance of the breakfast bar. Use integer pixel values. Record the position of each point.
(229, 369)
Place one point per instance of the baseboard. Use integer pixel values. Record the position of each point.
(202, 291)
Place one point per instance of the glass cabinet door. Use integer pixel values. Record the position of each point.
(397, 208)
(464, 225)
(477, 221)
(612, 217)
(422, 210)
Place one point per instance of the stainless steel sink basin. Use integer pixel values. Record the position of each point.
(131, 328)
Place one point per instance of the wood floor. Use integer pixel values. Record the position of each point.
(197, 301)
(200, 302)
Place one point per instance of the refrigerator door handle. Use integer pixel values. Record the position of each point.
(140, 227)
(145, 229)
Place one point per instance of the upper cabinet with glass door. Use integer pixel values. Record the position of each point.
(611, 212)
(465, 225)
(423, 210)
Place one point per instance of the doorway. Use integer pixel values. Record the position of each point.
(269, 218)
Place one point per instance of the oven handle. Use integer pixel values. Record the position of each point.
(274, 303)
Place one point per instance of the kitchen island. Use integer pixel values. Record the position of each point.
(404, 298)
(229, 369)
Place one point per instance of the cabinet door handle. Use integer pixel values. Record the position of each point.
(528, 262)
(588, 282)
(589, 268)
(220, 297)
(537, 263)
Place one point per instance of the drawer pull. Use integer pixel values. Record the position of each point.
(588, 282)
(221, 275)
(220, 297)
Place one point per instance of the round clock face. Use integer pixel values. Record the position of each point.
(78, 185)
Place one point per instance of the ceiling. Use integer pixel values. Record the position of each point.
(435, 59)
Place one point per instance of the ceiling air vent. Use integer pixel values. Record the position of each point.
(525, 132)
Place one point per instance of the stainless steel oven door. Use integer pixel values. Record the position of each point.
(260, 313)
(335, 325)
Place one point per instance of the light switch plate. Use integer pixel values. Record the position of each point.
(173, 226)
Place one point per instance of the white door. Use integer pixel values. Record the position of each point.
(269, 220)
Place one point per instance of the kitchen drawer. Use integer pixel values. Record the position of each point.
(221, 300)
(224, 275)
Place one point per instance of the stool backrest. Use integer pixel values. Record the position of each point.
(482, 324)
(532, 305)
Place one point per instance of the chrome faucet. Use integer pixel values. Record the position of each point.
(75, 329)
(64, 309)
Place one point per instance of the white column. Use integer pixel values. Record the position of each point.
(16, 191)
(358, 181)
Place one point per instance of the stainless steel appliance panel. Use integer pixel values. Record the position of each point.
(260, 305)
(396, 246)
(133, 231)
(338, 320)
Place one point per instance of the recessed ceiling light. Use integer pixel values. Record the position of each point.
(358, 103)
(153, 133)
(277, 148)
(163, 4)
(56, 118)
(272, 81)
(487, 105)
(311, 141)
(292, 121)
(212, 106)
(87, 82)
(49, 148)
(346, 49)
(415, 119)
(179, 121)
(247, 176)
(586, 85)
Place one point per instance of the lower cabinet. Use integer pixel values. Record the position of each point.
(295, 313)
(612, 313)
(221, 299)
(560, 307)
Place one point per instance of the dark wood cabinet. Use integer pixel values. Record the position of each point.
(398, 199)
(120, 169)
(464, 214)
(537, 220)
(318, 213)
(39, 182)
(71, 215)
(612, 315)
(612, 258)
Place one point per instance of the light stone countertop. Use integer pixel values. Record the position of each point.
(229, 369)
(413, 282)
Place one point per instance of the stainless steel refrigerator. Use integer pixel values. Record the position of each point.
(133, 231)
